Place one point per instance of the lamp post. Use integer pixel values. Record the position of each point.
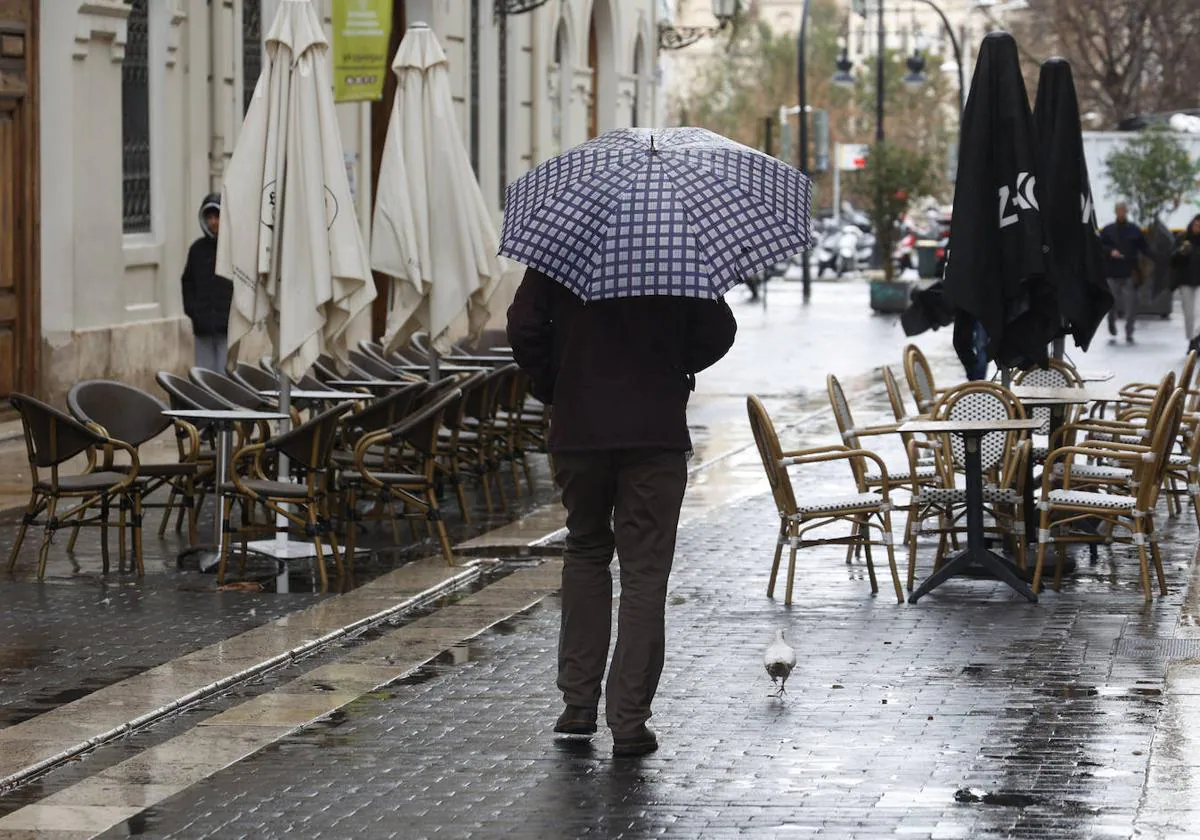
(806, 274)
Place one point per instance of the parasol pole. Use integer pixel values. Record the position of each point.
(285, 391)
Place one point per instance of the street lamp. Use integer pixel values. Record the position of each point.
(843, 77)
(677, 37)
(916, 70)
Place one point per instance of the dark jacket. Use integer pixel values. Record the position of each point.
(1127, 238)
(617, 372)
(1185, 260)
(206, 297)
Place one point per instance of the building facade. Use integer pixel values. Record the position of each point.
(118, 116)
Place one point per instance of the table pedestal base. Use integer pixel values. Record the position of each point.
(978, 562)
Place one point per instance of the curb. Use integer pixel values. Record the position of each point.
(471, 572)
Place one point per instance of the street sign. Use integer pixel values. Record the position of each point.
(852, 156)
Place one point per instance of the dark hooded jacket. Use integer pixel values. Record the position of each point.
(1185, 260)
(995, 269)
(206, 297)
(1074, 261)
(618, 373)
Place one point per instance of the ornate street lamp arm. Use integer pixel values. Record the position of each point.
(962, 103)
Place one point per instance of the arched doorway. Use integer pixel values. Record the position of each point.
(639, 67)
(602, 63)
(562, 85)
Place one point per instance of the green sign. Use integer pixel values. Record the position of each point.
(361, 32)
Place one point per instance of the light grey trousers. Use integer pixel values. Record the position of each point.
(1125, 300)
(212, 352)
(627, 500)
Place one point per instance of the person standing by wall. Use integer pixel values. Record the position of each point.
(617, 374)
(1123, 241)
(207, 297)
(1185, 276)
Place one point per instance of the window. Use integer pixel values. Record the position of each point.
(638, 60)
(135, 121)
(503, 96)
(473, 107)
(252, 49)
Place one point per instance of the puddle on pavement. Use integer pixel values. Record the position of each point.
(31, 707)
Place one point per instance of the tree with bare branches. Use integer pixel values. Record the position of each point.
(1130, 57)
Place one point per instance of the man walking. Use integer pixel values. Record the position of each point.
(617, 374)
(1122, 242)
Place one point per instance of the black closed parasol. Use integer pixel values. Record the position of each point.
(996, 270)
(1074, 262)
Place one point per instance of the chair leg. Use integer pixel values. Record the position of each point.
(1043, 538)
(461, 492)
(30, 512)
(1139, 539)
(912, 529)
(104, 506)
(1156, 556)
(311, 515)
(352, 522)
(853, 545)
(440, 524)
(779, 543)
(864, 539)
(137, 534)
(1060, 563)
(168, 509)
(225, 510)
(333, 542)
(791, 579)
(891, 553)
(47, 535)
(122, 505)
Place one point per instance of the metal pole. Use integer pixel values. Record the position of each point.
(879, 78)
(800, 74)
(837, 186)
(768, 125)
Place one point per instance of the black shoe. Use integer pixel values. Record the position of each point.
(1129, 339)
(579, 721)
(640, 741)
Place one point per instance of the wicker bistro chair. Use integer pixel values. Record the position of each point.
(865, 477)
(1003, 456)
(1134, 512)
(798, 518)
(920, 379)
(51, 439)
(309, 446)
(416, 486)
(1136, 428)
(481, 441)
(1057, 374)
(126, 413)
(254, 378)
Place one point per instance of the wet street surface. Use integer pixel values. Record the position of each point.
(972, 714)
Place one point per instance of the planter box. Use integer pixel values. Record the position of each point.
(890, 297)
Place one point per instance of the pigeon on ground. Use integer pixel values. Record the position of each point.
(779, 660)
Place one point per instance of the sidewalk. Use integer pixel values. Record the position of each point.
(1022, 697)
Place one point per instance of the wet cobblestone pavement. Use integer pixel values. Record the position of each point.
(1044, 713)
(972, 714)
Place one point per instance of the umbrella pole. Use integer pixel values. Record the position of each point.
(1058, 348)
(434, 364)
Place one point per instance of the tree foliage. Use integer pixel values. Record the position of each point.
(1130, 57)
(734, 91)
(895, 175)
(1153, 172)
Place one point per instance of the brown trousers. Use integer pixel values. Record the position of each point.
(627, 500)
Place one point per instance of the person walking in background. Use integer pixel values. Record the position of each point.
(207, 297)
(617, 374)
(1185, 276)
(1122, 242)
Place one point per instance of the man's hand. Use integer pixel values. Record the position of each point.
(1115, 254)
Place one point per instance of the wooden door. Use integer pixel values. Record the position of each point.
(381, 112)
(19, 315)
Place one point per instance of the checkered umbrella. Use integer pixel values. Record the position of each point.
(636, 211)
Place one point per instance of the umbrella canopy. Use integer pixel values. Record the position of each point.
(637, 211)
(1074, 265)
(432, 231)
(995, 269)
(289, 238)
